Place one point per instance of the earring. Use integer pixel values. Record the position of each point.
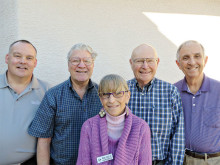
(102, 113)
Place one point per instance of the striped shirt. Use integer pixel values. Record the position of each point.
(159, 104)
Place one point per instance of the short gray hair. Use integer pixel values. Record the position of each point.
(81, 46)
(188, 43)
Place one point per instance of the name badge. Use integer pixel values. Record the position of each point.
(104, 158)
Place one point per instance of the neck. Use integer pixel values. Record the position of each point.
(80, 87)
(194, 84)
(18, 84)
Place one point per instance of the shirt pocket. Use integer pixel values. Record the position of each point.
(212, 117)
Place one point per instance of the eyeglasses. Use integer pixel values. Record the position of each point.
(76, 61)
(149, 61)
(115, 94)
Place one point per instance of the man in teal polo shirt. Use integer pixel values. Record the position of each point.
(20, 96)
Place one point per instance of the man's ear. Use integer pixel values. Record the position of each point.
(6, 58)
(130, 61)
(178, 64)
(206, 59)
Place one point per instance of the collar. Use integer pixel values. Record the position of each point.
(204, 87)
(4, 82)
(90, 84)
(146, 87)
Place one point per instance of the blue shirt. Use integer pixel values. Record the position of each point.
(202, 115)
(16, 114)
(61, 115)
(159, 104)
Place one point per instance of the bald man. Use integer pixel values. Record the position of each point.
(159, 104)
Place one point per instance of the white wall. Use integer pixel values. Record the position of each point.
(111, 27)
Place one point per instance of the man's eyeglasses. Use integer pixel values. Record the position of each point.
(77, 61)
(149, 61)
(115, 94)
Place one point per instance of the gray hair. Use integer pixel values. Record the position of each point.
(112, 83)
(81, 46)
(185, 44)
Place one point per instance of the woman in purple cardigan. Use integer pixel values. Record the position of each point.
(115, 136)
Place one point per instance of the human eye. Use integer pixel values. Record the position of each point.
(139, 61)
(87, 61)
(17, 55)
(30, 58)
(197, 56)
(105, 95)
(185, 58)
(118, 94)
(150, 60)
(75, 61)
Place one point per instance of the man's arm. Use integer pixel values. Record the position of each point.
(43, 151)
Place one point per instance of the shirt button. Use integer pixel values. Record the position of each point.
(194, 105)
(142, 93)
(193, 97)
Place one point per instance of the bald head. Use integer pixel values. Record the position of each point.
(143, 51)
(144, 62)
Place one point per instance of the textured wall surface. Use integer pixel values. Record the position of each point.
(8, 28)
(113, 28)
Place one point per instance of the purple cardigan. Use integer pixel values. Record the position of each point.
(133, 147)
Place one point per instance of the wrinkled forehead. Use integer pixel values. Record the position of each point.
(80, 53)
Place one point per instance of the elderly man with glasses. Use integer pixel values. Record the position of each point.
(64, 109)
(159, 104)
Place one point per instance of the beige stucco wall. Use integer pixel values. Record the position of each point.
(112, 27)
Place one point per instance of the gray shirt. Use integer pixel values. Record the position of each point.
(16, 114)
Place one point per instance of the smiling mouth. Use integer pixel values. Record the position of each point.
(81, 71)
(22, 68)
(193, 68)
(144, 72)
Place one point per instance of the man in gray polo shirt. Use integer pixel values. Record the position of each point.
(20, 96)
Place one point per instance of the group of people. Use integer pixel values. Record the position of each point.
(144, 121)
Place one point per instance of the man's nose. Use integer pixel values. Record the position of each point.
(145, 64)
(191, 61)
(23, 60)
(81, 64)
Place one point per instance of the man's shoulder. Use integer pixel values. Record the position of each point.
(179, 83)
(163, 84)
(131, 82)
(43, 84)
(59, 87)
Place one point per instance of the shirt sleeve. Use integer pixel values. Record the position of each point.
(145, 153)
(177, 141)
(84, 155)
(43, 123)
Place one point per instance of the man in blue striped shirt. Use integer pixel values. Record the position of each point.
(159, 104)
(64, 109)
(201, 105)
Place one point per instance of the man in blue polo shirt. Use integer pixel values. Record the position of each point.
(20, 96)
(64, 109)
(201, 105)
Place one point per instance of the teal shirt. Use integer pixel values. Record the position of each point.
(16, 114)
